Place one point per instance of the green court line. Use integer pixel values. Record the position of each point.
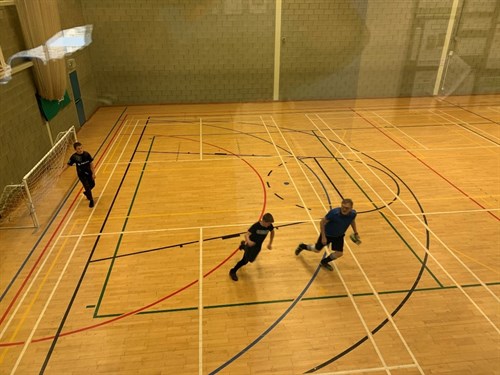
(277, 301)
(108, 275)
(288, 300)
(380, 212)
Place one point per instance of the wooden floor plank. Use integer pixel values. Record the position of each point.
(140, 283)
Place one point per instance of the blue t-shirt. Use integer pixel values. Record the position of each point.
(337, 223)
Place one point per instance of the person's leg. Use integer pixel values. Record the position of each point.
(241, 263)
(88, 184)
(337, 252)
(250, 255)
(310, 247)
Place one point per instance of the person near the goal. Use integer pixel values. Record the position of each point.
(84, 169)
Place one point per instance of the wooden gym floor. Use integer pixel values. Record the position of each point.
(140, 285)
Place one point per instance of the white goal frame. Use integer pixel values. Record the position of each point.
(11, 203)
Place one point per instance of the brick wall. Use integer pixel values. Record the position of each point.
(223, 50)
(159, 51)
(182, 51)
(24, 137)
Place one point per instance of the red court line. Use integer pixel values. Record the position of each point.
(70, 208)
(427, 165)
(106, 322)
(136, 311)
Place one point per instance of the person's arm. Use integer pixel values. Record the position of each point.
(354, 228)
(66, 166)
(248, 241)
(271, 238)
(92, 169)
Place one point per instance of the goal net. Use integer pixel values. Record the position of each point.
(458, 77)
(20, 200)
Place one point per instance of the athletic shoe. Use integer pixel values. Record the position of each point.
(299, 248)
(86, 195)
(91, 204)
(242, 245)
(327, 265)
(232, 273)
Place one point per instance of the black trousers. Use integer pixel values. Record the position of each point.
(88, 184)
(250, 255)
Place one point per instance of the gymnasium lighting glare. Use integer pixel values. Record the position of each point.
(63, 43)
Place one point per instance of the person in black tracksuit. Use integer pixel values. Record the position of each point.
(254, 238)
(84, 169)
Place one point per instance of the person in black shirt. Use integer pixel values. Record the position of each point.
(84, 169)
(254, 238)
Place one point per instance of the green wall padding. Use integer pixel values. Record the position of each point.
(50, 108)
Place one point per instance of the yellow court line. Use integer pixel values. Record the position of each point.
(475, 261)
(114, 149)
(205, 212)
(170, 213)
(33, 300)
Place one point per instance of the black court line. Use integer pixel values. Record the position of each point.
(182, 244)
(417, 280)
(472, 112)
(54, 216)
(464, 125)
(87, 264)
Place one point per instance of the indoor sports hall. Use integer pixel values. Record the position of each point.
(202, 116)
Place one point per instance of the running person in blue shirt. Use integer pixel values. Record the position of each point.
(254, 238)
(333, 228)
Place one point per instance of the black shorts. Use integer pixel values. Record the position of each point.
(337, 243)
(251, 252)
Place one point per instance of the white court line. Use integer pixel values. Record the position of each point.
(201, 140)
(448, 212)
(225, 160)
(159, 230)
(194, 118)
(465, 128)
(191, 160)
(408, 229)
(389, 316)
(200, 308)
(398, 129)
(39, 271)
(494, 109)
(351, 115)
(351, 297)
(432, 149)
(246, 225)
(372, 369)
(56, 285)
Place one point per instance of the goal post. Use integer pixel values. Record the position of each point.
(21, 199)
